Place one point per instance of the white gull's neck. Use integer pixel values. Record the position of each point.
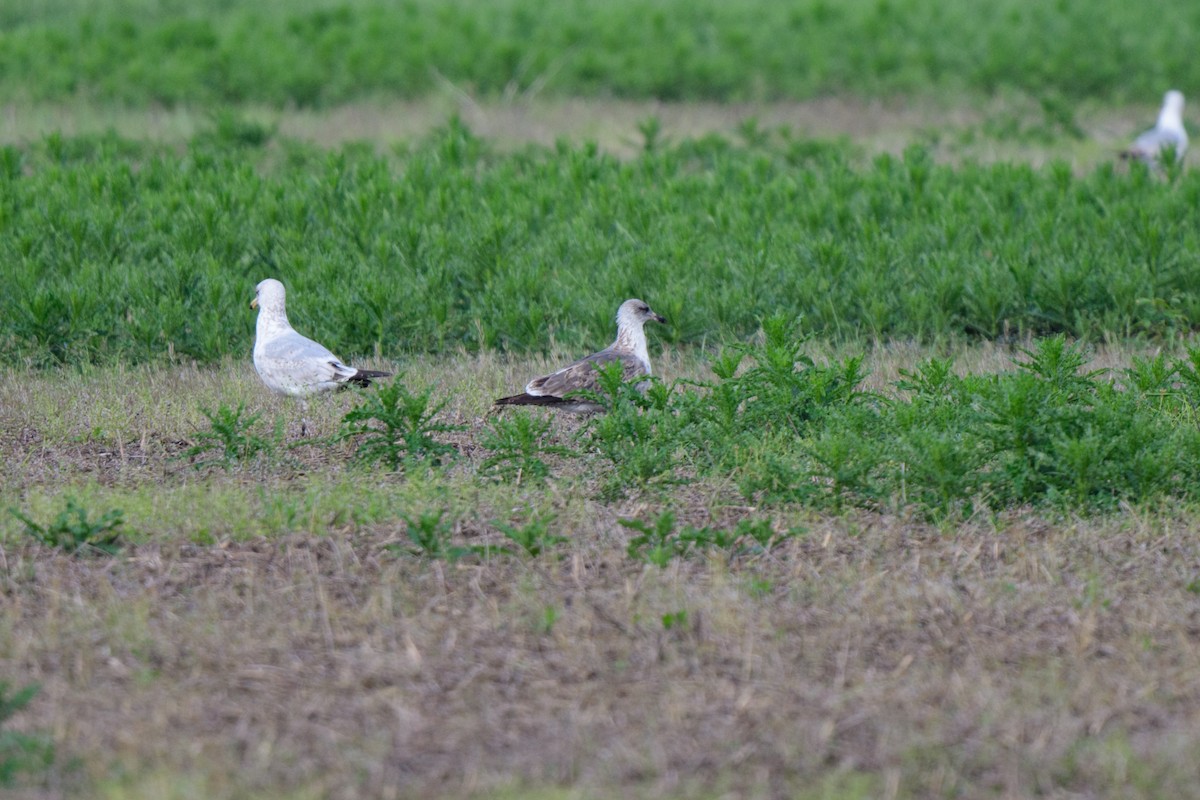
(1169, 119)
(631, 338)
(272, 321)
(1171, 116)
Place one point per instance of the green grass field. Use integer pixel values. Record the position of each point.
(910, 510)
(324, 53)
(132, 251)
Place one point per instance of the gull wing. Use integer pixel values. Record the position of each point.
(1151, 143)
(299, 362)
(582, 375)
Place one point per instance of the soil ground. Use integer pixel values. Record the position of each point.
(267, 633)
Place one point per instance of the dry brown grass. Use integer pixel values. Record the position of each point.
(871, 656)
(1013, 659)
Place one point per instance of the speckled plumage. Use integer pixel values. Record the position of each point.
(629, 349)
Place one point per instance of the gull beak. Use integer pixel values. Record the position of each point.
(659, 318)
(254, 303)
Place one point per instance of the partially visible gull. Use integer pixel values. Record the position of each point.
(1168, 131)
(629, 350)
(292, 364)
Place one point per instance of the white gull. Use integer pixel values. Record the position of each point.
(292, 364)
(1167, 132)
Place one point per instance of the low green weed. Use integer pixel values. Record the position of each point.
(675, 620)
(784, 386)
(429, 533)
(234, 129)
(519, 442)
(638, 435)
(1171, 166)
(231, 435)
(19, 752)
(397, 427)
(549, 618)
(430, 536)
(534, 537)
(72, 532)
(217, 52)
(658, 542)
(654, 542)
(765, 396)
(1187, 370)
(1051, 433)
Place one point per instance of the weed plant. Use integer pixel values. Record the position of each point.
(231, 436)
(72, 532)
(518, 443)
(323, 53)
(20, 753)
(430, 536)
(658, 542)
(397, 427)
(534, 537)
(129, 252)
(1050, 433)
(638, 435)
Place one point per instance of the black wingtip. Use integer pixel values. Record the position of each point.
(363, 377)
(529, 400)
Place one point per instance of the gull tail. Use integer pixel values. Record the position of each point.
(362, 377)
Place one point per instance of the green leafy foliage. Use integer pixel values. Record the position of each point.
(1048, 433)
(430, 535)
(658, 542)
(72, 531)
(311, 54)
(675, 619)
(534, 537)
(654, 542)
(519, 442)
(19, 752)
(121, 250)
(638, 435)
(231, 436)
(397, 427)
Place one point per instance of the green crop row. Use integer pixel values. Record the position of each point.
(320, 53)
(113, 249)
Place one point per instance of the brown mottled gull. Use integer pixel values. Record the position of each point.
(629, 350)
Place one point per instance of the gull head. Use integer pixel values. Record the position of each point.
(269, 295)
(636, 313)
(1173, 100)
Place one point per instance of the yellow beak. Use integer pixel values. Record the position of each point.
(254, 303)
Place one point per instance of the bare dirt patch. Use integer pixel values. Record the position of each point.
(1002, 128)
